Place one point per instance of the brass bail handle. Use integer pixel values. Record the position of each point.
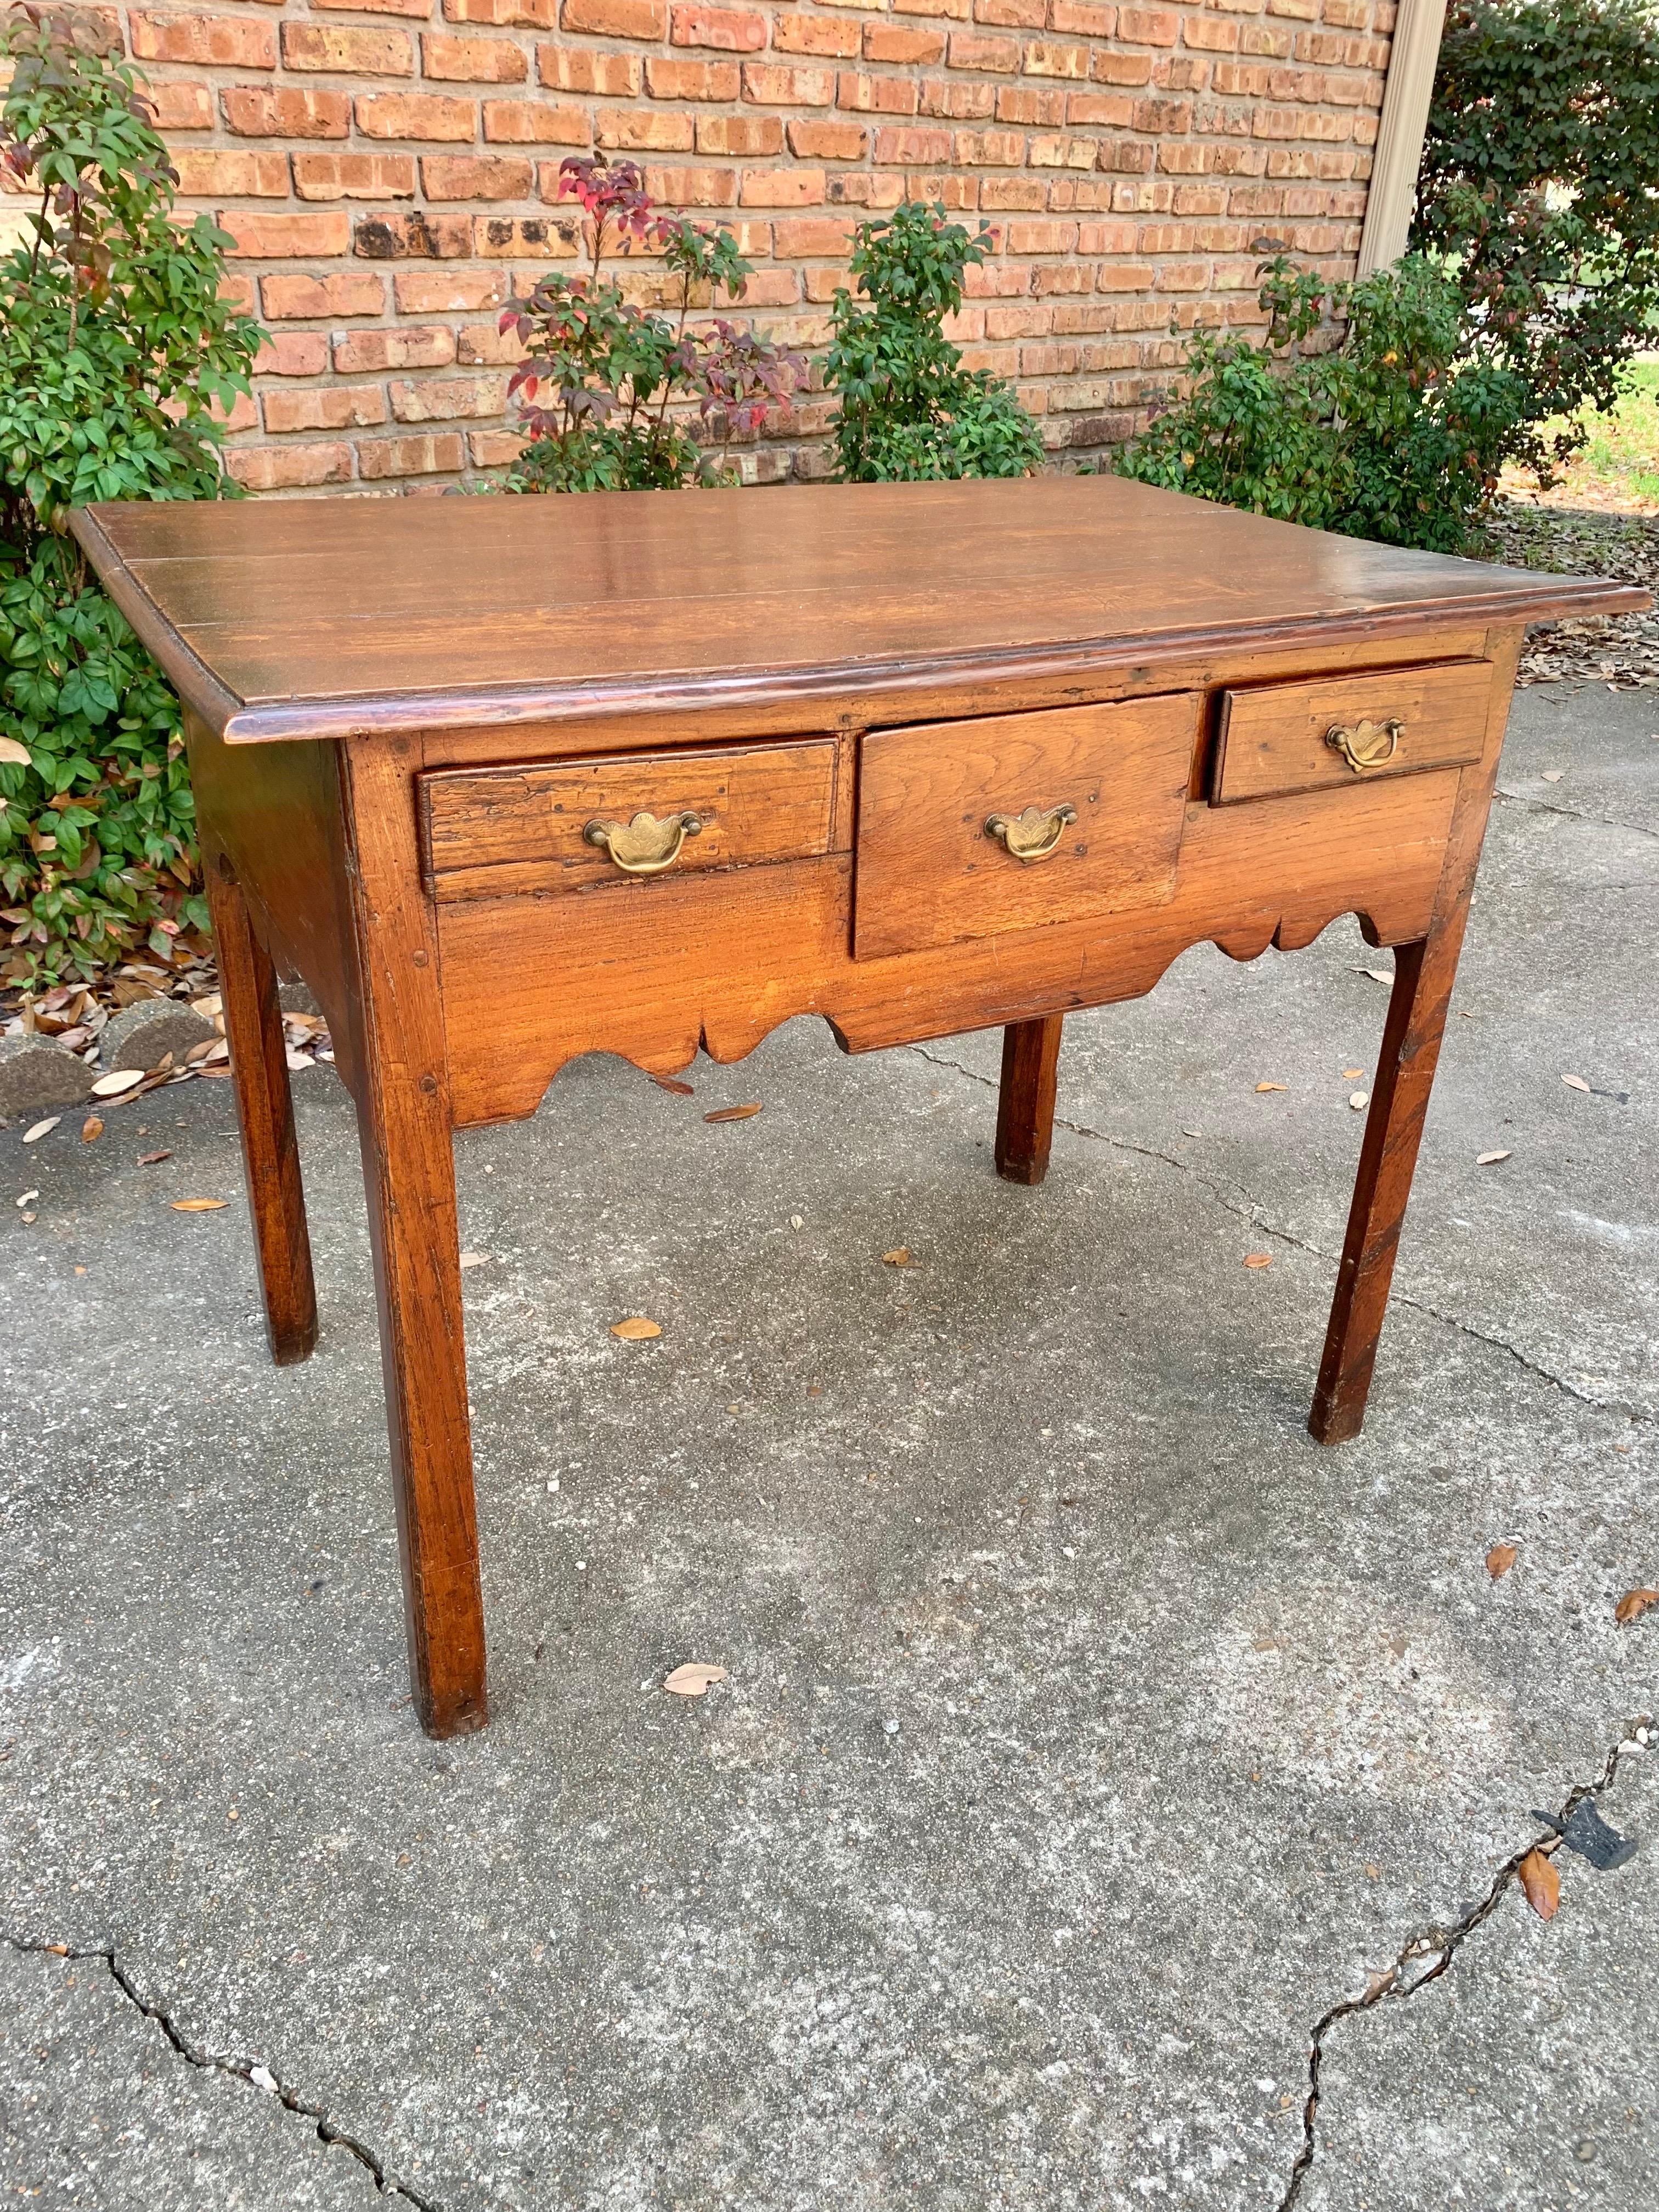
(644, 846)
(1367, 744)
(1033, 835)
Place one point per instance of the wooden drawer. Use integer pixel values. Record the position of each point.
(929, 871)
(490, 832)
(1277, 737)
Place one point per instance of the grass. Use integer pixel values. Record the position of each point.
(1618, 468)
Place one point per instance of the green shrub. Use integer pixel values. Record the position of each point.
(908, 407)
(612, 370)
(1388, 409)
(1539, 191)
(115, 348)
(1354, 414)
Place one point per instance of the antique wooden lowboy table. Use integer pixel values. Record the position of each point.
(641, 772)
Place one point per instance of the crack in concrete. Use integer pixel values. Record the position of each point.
(1255, 1215)
(1572, 814)
(257, 2075)
(1441, 1945)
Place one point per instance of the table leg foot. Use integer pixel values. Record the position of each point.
(1399, 1097)
(1025, 1103)
(265, 1108)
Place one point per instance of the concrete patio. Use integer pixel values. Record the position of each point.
(1090, 1733)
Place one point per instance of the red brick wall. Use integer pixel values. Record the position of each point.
(389, 170)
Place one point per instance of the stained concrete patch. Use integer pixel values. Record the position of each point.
(1089, 1730)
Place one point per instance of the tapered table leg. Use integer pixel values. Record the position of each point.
(408, 1178)
(1025, 1103)
(1423, 977)
(265, 1107)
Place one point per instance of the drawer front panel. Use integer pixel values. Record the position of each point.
(1281, 738)
(490, 831)
(928, 869)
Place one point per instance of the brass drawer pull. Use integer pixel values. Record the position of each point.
(1367, 744)
(1031, 835)
(644, 846)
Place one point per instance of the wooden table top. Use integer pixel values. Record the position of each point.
(328, 618)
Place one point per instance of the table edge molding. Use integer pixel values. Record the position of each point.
(389, 714)
(189, 675)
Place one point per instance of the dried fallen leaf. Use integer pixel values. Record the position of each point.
(1352, 1074)
(91, 1129)
(41, 1129)
(1488, 1159)
(1272, 1086)
(474, 1258)
(1553, 776)
(636, 1328)
(1258, 1259)
(672, 1083)
(1359, 1100)
(16, 755)
(1575, 1083)
(1378, 974)
(1500, 1559)
(733, 1113)
(198, 1205)
(111, 1086)
(1633, 1604)
(692, 1680)
(898, 1257)
(1541, 1883)
(149, 1159)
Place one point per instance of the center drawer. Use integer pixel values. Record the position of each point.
(1007, 821)
(573, 825)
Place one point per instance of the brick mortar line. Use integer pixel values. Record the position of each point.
(1082, 359)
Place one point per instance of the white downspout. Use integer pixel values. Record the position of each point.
(1393, 195)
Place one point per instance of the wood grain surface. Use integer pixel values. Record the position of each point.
(1273, 737)
(264, 1112)
(927, 873)
(334, 617)
(488, 831)
(1424, 972)
(459, 686)
(1026, 1098)
(720, 960)
(409, 1176)
(277, 814)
